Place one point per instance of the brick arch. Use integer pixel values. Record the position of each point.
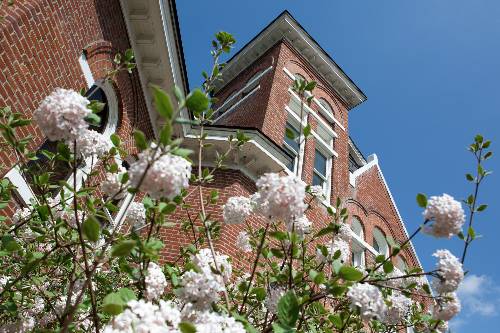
(338, 111)
(296, 67)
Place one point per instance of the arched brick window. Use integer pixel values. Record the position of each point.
(357, 249)
(379, 242)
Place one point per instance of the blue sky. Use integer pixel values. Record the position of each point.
(431, 71)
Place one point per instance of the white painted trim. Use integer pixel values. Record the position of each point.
(87, 73)
(325, 112)
(232, 108)
(325, 60)
(23, 188)
(320, 120)
(227, 101)
(373, 161)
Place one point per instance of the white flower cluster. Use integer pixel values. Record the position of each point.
(243, 242)
(281, 197)
(166, 176)
(447, 308)
(236, 210)
(334, 246)
(199, 289)
(213, 322)
(317, 191)
(21, 215)
(300, 226)
(205, 262)
(90, 143)
(3, 282)
(274, 293)
(446, 214)
(141, 316)
(449, 270)
(61, 115)
(398, 309)
(368, 299)
(136, 215)
(155, 282)
(112, 187)
(345, 232)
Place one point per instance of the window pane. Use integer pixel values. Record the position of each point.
(320, 163)
(376, 246)
(96, 93)
(294, 143)
(317, 180)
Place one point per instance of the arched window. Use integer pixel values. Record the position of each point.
(357, 250)
(379, 242)
(324, 103)
(300, 76)
(357, 227)
(401, 264)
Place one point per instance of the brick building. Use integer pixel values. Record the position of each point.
(46, 44)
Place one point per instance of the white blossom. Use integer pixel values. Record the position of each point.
(398, 309)
(446, 214)
(3, 282)
(166, 176)
(236, 210)
(345, 232)
(200, 289)
(112, 187)
(450, 272)
(90, 143)
(155, 282)
(21, 215)
(243, 242)
(281, 197)
(274, 293)
(136, 214)
(368, 299)
(61, 115)
(317, 191)
(205, 262)
(301, 226)
(146, 317)
(447, 308)
(213, 322)
(332, 247)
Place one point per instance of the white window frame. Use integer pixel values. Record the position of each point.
(379, 237)
(327, 178)
(22, 187)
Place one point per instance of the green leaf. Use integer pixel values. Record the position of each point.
(123, 248)
(115, 139)
(178, 94)
(289, 133)
(307, 130)
(10, 244)
(113, 304)
(163, 103)
(388, 267)
(310, 86)
(350, 273)
(278, 328)
(471, 233)
(469, 177)
(260, 293)
(380, 258)
(126, 294)
(481, 208)
(91, 229)
(197, 102)
(140, 140)
(187, 327)
(288, 309)
(422, 200)
(93, 119)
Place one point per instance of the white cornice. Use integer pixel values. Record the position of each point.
(286, 27)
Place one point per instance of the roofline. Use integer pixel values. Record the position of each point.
(286, 14)
(180, 48)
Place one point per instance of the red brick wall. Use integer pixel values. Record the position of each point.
(40, 43)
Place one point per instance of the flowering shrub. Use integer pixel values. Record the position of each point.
(88, 259)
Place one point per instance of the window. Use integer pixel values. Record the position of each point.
(292, 146)
(357, 249)
(379, 242)
(300, 77)
(324, 103)
(228, 103)
(401, 264)
(96, 93)
(320, 170)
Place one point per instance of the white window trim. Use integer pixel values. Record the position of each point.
(320, 120)
(327, 185)
(233, 107)
(323, 111)
(87, 73)
(23, 188)
(294, 120)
